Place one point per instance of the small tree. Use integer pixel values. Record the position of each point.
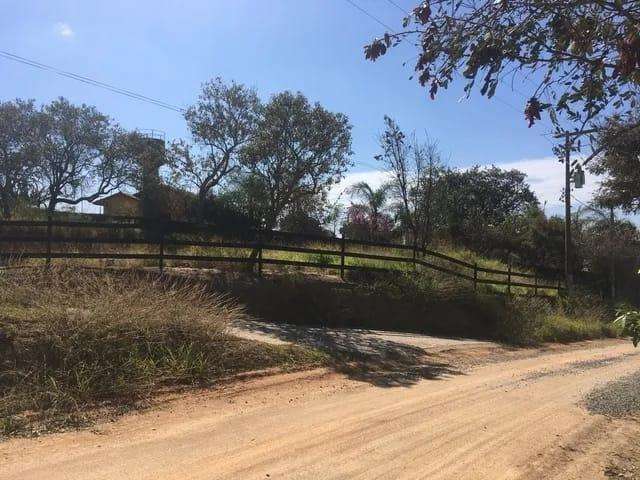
(372, 202)
(415, 168)
(298, 151)
(221, 123)
(333, 216)
(18, 159)
(629, 322)
(81, 151)
(358, 224)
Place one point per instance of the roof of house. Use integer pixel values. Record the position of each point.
(102, 200)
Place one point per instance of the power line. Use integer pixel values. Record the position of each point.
(377, 20)
(90, 81)
(371, 16)
(398, 6)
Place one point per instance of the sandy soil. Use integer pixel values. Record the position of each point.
(516, 417)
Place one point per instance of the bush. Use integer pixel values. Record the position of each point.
(558, 328)
(530, 320)
(520, 319)
(628, 321)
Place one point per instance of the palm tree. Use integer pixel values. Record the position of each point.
(373, 200)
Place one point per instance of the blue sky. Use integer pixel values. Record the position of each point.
(166, 49)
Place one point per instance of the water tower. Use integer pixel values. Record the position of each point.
(151, 156)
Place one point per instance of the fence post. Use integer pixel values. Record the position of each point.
(475, 276)
(161, 256)
(259, 255)
(415, 254)
(49, 235)
(342, 249)
(509, 279)
(535, 283)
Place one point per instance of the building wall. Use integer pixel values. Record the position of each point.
(122, 206)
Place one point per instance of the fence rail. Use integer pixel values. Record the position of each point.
(166, 236)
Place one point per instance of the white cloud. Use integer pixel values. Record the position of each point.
(375, 178)
(64, 30)
(546, 178)
(544, 175)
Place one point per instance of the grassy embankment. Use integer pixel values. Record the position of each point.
(74, 343)
(71, 342)
(425, 302)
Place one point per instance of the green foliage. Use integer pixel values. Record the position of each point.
(585, 54)
(221, 124)
(59, 154)
(416, 186)
(620, 142)
(302, 220)
(629, 322)
(559, 328)
(81, 154)
(299, 151)
(481, 198)
(18, 165)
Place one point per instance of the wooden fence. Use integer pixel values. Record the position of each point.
(166, 237)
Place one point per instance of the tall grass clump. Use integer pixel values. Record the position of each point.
(71, 340)
(531, 320)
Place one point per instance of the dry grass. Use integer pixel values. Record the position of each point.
(73, 340)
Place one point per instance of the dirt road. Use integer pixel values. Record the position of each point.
(520, 418)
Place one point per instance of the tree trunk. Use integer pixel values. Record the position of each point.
(612, 260)
(7, 205)
(51, 206)
(202, 199)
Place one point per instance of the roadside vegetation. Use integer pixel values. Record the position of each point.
(75, 342)
(424, 302)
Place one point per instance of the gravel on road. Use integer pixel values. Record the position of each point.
(618, 398)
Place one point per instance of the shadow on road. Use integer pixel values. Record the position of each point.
(362, 355)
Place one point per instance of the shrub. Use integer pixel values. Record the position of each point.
(629, 322)
(521, 318)
(559, 328)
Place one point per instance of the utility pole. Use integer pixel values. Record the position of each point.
(612, 258)
(568, 277)
(569, 138)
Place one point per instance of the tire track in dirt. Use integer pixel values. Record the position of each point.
(519, 419)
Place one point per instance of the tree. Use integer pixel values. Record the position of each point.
(358, 224)
(298, 220)
(581, 56)
(608, 245)
(415, 168)
(481, 197)
(372, 203)
(620, 164)
(18, 161)
(81, 150)
(333, 215)
(298, 151)
(221, 123)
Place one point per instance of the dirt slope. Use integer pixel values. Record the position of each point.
(505, 420)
